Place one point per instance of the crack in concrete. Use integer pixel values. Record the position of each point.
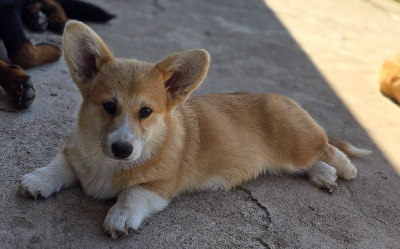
(248, 192)
(158, 6)
(264, 244)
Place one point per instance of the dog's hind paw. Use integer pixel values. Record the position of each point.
(322, 175)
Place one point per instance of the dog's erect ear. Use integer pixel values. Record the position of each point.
(84, 51)
(183, 72)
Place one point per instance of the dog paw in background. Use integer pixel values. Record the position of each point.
(55, 14)
(389, 78)
(17, 84)
(33, 16)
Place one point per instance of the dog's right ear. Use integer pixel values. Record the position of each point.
(84, 52)
(183, 72)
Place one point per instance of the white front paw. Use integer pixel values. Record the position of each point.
(121, 219)
(132, 207)
(37, 184)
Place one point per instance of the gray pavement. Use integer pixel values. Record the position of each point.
(324, 54)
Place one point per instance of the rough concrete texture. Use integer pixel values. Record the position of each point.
(324, 54)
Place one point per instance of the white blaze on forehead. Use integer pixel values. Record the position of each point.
(123, 133)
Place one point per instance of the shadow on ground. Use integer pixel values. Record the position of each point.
(251, 51)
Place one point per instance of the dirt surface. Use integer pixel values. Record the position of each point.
(324, 54)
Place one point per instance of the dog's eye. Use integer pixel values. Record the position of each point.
(145, 112)
(110, 108)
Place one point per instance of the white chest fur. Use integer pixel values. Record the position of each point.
(94, 171)
(95, 178)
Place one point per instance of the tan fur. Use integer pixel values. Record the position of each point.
(207, 142)
(389, 78)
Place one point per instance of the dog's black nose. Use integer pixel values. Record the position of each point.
(121, 150)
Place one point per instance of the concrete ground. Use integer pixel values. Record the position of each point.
(324, 54)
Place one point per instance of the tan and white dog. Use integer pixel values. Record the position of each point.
(138, 138)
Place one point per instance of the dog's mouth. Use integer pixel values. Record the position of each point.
(118, 158)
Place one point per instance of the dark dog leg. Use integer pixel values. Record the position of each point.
(30, 56)
(84, 11)
(17, 84)
(19, 49)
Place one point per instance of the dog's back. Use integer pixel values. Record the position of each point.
(242, 135)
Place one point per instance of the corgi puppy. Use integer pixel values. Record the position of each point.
(389, 78)
(139, 139)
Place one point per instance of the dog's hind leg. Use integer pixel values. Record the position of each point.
(19, 49)
(17, 84)
(11, 29)
(333, 163)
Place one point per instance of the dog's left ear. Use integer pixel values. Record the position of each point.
(84, 51)
(183, 72)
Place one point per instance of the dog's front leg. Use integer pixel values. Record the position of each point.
(45, 181)
(132, 207)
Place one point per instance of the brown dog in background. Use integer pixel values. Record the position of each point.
(389, 78)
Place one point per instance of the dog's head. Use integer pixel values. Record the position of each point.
(126, 102)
